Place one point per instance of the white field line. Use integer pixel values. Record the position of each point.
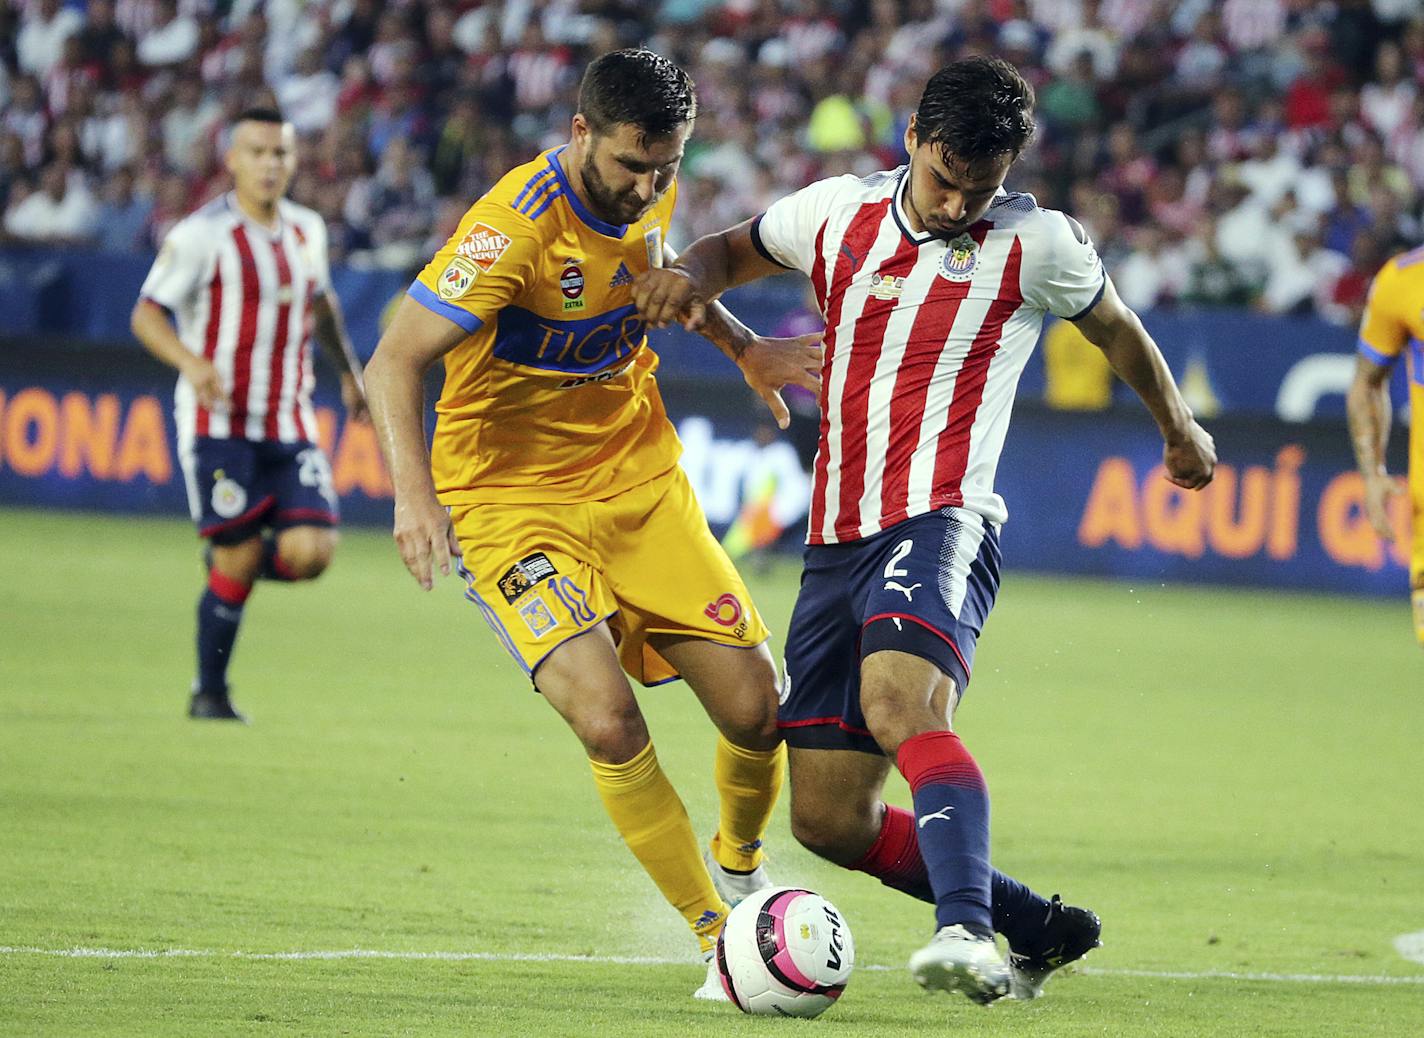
(644, 960)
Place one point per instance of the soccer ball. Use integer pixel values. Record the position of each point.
(785, 951)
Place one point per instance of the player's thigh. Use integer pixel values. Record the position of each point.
(226, 496)
(669, 575)
(528, 572)
(583, 680)
(835, 800)
(928, 584)
(737, 687)
(297, 477)
(820, 695)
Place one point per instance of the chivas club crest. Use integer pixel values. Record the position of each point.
(960, 260)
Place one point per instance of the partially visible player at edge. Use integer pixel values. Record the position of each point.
(934, 282)
(1393, 322)
(553, 480)
(246, 278)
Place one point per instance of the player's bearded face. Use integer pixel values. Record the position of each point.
(948, 196)
(623, 178)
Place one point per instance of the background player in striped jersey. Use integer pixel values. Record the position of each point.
(246, 278)
(1392, 327)
(553, 478)
(934, 283)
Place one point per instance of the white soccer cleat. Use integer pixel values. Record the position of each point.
(736, 886)
(957, 960)
(711, 989)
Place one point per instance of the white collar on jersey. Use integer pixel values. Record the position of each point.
(902, 217)
(230, 200)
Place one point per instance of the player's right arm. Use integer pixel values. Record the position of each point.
(171, 283)
(488, 262)
(780, 239)
(1367, 405)
(415, 339)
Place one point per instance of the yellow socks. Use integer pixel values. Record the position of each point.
(748, 783)
(649, 814)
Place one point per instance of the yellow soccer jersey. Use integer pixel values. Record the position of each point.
(1393, 326)
(552, 397)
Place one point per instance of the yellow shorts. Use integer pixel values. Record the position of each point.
(643, 560)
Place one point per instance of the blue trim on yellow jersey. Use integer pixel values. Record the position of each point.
(581, 346)
(428, 299)
(1416, 361)
(1408, 259)
(540, 192)
(575, 634)
(1370, 353)
(491, 617)
(533, 182)
(612, 230)
(548, 201)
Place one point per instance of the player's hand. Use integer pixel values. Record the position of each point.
(1190, 458)
(206, 382)
(1380, 487)
(353, 398)
(769, 364)
(424, 536)
(665, 295)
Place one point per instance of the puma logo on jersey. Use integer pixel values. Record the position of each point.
(908, 592)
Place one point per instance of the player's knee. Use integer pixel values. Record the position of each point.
(241, 562)
(751, 721)
(613, 738)
(826, 831)
(306, 554)
(890, 719)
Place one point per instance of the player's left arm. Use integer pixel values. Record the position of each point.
(1383, 336)
(329, 328)
(767, 364)
(1188, 452)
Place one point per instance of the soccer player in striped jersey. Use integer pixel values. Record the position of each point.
(934, 282)
(246, 279)
(1392, 327)
(553, 481)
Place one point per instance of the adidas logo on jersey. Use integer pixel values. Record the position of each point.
(622, 276)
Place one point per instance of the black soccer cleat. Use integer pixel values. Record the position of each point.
(1068, 934)
(213, 706)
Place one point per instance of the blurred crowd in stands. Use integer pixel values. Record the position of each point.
(1261, 153)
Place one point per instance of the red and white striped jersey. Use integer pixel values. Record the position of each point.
(242, 297)
(925, 342)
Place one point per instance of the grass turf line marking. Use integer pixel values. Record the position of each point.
(645, 960)
(1411, 946)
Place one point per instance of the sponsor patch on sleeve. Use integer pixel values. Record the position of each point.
(483, 245)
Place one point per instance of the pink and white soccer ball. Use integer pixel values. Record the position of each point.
(785, 951)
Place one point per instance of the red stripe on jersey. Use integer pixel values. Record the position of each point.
(952, 453)
(246, 332)
(303, 346)
(867, 344)
(855, 245)
(210, 337)
(277, 365)
(818, 269)
(933, 323)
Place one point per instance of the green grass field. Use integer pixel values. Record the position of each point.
(1232, 780)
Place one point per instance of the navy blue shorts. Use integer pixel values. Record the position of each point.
(924, 587)
(237, 487)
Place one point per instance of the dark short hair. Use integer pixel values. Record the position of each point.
(638, 88)
(976, 109)
(258, 115)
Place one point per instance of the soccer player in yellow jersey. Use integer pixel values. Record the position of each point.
(1393, 325)
(553, 480)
